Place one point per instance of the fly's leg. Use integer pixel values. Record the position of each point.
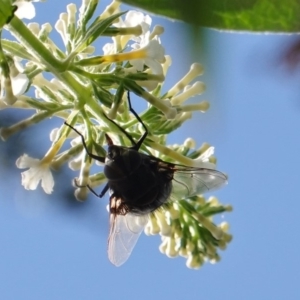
(103, 192)
(99, 158)
(142, 138)
(96, 157)
(136, 145)
(105, 189)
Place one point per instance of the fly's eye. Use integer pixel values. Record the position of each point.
(113, 152)
(109, 154)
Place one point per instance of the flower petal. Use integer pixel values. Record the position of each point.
(26, 161)
(47, 182)
(29, 179)
(19, 84)
(38, 171)
(25, 10)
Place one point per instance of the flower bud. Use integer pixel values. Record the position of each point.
(152, 227)
(163, 245)
(171, 248)
(193, 262)
(81, 193)
(165, 228)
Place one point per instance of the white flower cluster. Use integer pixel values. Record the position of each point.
(184, 235)
(143, 55)
(88, 90)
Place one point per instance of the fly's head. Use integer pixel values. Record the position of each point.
(120, 162)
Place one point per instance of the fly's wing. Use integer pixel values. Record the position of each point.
(188, 181)
(124, 233)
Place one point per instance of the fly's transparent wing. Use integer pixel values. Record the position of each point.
(188, 181)
(124, 233)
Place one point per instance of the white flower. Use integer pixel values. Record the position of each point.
(26, 9)
(193, 262)
(171, 250)
(189, 91)
(203, 160)
(6, 94)
(134, 18)
(152, 227)
(109, 48)
(39, 170)
(190, 143)
(14, 85)
(61, 27)
(54, 134)
(19, 84)
(165, 228)
(153, 55)
(195, 70)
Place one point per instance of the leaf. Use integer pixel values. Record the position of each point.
(6, 12)
(16, 49)
(96, 29)
(246, 15)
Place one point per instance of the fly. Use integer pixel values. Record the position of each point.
(139, 184)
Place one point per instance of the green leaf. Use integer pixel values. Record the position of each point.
(86, 15)
(16, 49)
(6, 12)
(96, 29)
(246, 15)
(42, 105)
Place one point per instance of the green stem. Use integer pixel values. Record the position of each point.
(38, 49)
(45, 57)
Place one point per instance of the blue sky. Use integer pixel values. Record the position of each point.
(55, 248)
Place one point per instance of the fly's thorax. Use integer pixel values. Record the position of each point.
(145, 189)
(120, 162)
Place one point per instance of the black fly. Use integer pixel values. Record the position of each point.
(138, 184)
